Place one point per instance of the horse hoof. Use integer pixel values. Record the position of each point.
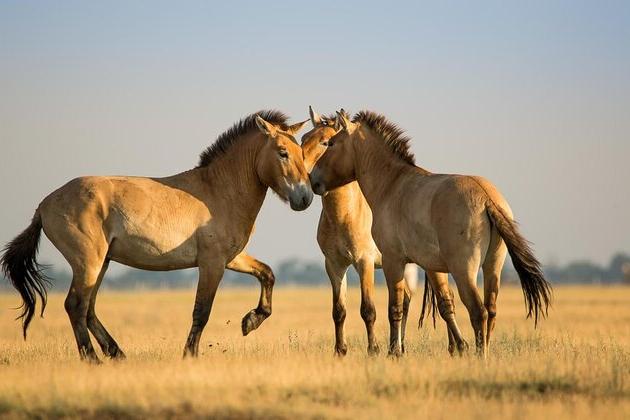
(341, 351)
(462, 348)
(395, 354)
(251, 321)
(373, 350)
(93, 360)
(118, 355)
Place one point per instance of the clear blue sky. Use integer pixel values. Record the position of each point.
(533, 95)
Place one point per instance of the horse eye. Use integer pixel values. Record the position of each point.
(324, 143)
(283, 154)
(331, 143)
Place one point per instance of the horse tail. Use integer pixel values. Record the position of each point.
(429, 302)
(536, 289)
(20, 266)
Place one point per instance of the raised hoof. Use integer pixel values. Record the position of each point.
(251, 321)
(373, 350)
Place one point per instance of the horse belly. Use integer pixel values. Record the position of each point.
(169, 245)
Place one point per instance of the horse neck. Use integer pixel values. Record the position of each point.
(377, 168)
(337, 203)
(233, 176)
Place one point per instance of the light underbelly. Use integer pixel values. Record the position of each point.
(152, 254)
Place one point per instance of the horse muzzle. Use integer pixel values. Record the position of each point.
(316, 183)
(300, 197)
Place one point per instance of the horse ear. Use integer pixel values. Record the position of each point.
(344, 121)
(267, 128)
(316, 119)
(293, 129)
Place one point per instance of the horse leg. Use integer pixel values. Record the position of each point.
(337, 275)
(403, 326)
(446, 307)
(467, 288)
(492, 267)
(365, 268)
(244, 263)
(84, 277)
(209, 278)
(394, 274)
(108, 344)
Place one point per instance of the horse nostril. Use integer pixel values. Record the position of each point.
(307, 199)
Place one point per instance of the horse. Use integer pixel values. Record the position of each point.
(343, 235)
(202, 217)
(444, 223)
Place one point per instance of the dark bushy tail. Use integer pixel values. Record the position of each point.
(20, 266)
(536, 289)
(429, 302)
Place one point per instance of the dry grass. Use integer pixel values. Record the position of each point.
(576, 365)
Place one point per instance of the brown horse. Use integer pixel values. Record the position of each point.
(199, 218)
(344, 237)
(444, 223)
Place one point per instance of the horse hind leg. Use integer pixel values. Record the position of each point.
(446, 308)
(467, 288)
(453, 344)
(108, 345)
(492, 267)
(84, 278)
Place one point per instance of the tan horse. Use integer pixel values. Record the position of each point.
(344, 237)
(444, 223)
(199, 218)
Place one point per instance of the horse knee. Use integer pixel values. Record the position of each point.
(446, 307)
(492, 311)
(266, 276)
(479, 316)
(339, 313)
(73, 305)
(395, 312)
(368, 313)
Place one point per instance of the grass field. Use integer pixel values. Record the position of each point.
(575, 365)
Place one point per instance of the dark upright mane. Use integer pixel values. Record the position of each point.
(391, 134)
(231, 136)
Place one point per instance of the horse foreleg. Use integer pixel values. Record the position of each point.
(209, 278)
(244, 263)
(365, 268)
(337, 275)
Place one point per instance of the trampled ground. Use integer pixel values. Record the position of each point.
(576, 365)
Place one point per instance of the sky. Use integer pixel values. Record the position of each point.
(534, 96)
